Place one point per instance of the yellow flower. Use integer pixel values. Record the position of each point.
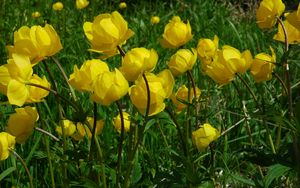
(7, 142)
(36, 42)
(82, 130)
(206, 50)
(219, 70)
(81, 4)
(262, 66)
(138, 61)
(267, 12)
(155, 20)
(36, 14)
(182, 95)
(237, 61)
(294, 18)
(122, 5)
(176, 33)
(138, 94)
(293, 34)
(117, 122)
(58, 6)
(182, 61)
(21, 123)
(167, 81)
(82, 79)
(109, 87)
(107, 32)
(68, 128)
(14, 79)
(203, 136)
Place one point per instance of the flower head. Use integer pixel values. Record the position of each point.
(107, 32)
(182, 61)
(267, 12)
(293, 34)
(138, 61)
(81, 4)
(203, 136)
(58, 6)
(155, 20)
(83, 78)
(21, 123)
(109, 87)
(36, 14)
(294, 18)
(182, 95)
(122, 5)
(118, 124)
(68, 128)
(138, 94)
(7, 141)
(262, 66)
(206, 50)
(82, 130)
(36, 42)
(176, 33)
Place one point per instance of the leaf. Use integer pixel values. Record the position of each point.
(275, 172)
(7, 172)
(207, 184)
(136, 173)
(243, 180)
(149, 124)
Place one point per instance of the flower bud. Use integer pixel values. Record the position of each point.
(182, 95)
(118, 124)
(7, 142)
(68, 128)
(138, 61)
(58, 6)
(182, 61)
(155, 20)
(176, 33)
(109, 87)
(203, 136)
(81, 4)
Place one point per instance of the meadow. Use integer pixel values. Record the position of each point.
(206, 94)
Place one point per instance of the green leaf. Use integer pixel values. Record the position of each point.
(136, 173)
(7, 172)
(207, 184)
(243, 180)
(275, 172)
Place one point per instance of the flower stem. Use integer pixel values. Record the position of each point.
(24, 165)
(249, 89)
(120, 146)
(47, 133)
(121, 51)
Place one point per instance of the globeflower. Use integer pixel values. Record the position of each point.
(21, 123)
(294, 18)
(58, 6)
(7, 142)
(138, 94)
(176, 33)
(137, 61)
(81, 4)
(262, 66)
(83, 78)
(293, 34)
(182, 95)
(206, 50)
(117, 122)
(267, 12)
(36, 42)
(237, 61)
(16, 75)
(82, 129)
(109, 87)
(107, 32)
(36, 14)
(167, 81)
(182, 61)
(219, 70)
(122, 5)
(66, 127)
(155, 20)
(203, 136)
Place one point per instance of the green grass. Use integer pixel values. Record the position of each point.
(160, 161)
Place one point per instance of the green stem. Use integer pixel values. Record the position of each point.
(139, 138)
(65, 77)
(47, 133)
(249, 89)
(120, 146)
(93, 129)
(103, 176)
(24, 165)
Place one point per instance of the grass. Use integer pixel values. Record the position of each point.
(234, 160)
